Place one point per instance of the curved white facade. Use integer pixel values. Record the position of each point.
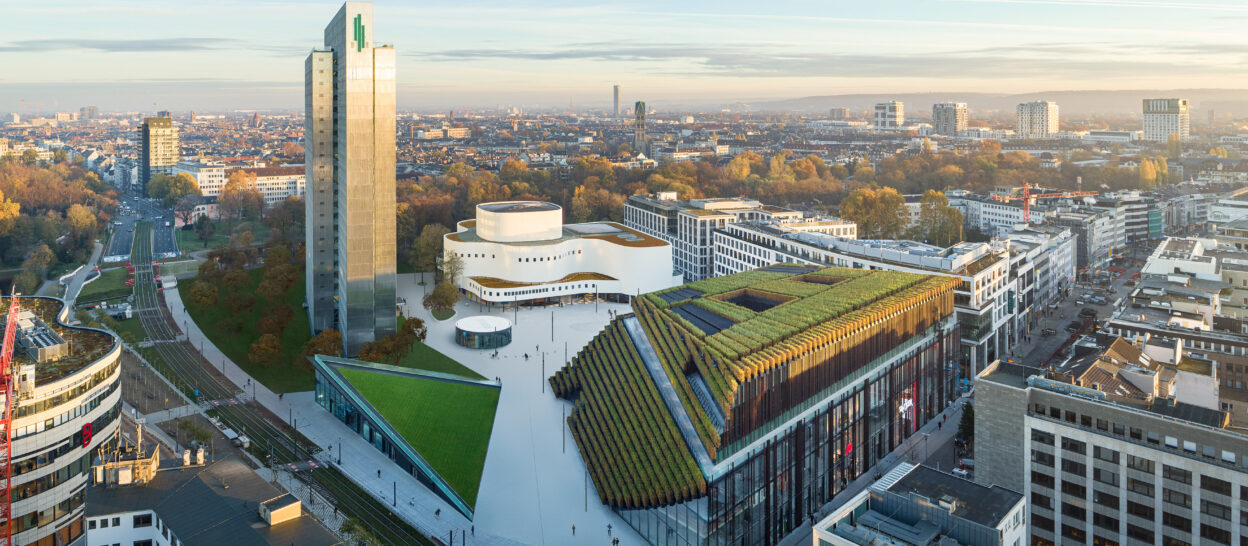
(599, 258)
(516, 221)
(53, 446)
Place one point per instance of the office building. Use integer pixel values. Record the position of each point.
(1099, 232)
(838, 113)
(1114, 448)
(521, 252)
(920, 505)
(639, 127)
(786, 383)
(985, 299)
(210, 177)
(949, 118)
(1165, 117)
(67, 381)
(890, 115)
(159, 149)
(687, 225)
(1037, 119)
(615, 108)
(1144, 219)
(350, 163)
(276, 183)
(89, 112)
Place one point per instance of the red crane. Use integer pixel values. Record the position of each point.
(6, 433)
(1028, 197)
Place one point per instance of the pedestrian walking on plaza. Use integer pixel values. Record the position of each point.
(378, 472)
(573, 529)
(437, 513)
(608, 529)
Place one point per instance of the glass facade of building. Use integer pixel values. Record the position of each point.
(765, 495)
(483, 340)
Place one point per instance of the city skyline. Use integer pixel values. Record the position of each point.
(209, 57)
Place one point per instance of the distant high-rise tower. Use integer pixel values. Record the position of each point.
(616, 110)
(255, 119)
(89, 112)
(838, 113)
(349, 125)
(639, 127)
(948, 118)
(1165, 117)
(890, 114)
(1037, 119)
(159, 149)
(192, 116)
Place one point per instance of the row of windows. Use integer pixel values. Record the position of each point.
(1207, 451)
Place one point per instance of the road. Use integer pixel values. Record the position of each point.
(271, 440)
(1038, 350)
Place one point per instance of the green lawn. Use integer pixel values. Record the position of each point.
(179, 267)
(449, 424)
(442, 315)
(424, 357)
(188, 240)
(279, 378)
(111, 284)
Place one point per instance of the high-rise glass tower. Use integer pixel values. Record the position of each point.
(349, 130)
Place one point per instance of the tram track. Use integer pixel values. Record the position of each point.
(273, 443)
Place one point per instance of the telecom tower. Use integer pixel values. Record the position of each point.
(639, 127)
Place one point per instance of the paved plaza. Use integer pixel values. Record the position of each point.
(534, 488)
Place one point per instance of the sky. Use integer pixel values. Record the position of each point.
(236, 54)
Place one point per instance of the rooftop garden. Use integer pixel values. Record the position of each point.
(447, 423)
(86, 345)
(723, 332)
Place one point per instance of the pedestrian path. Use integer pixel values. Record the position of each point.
(74, 287)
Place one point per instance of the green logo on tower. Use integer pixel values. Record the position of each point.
(359, 33)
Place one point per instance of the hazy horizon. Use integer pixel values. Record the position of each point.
(141, 56)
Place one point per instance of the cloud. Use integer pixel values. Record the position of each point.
(149, 45)
(1037, 60)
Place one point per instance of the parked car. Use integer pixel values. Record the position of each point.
(1048, 332)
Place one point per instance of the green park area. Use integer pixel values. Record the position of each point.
(448, 424)
(190, 241)
(110, 285)
(233, 325)
(424, 357)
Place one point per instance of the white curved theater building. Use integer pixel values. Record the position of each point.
(521, 252)
(68, 402)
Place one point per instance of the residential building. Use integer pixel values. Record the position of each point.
(890, 115)
(159, 148)
(1165, 117)
(1115, 449)
(990, 217)
(687, 225)
(1037, 119)
(920, 505)
(1096, 231)
(985, 294)
(68, 402)
(838, 113)
(1051, 249)
(949, 118)
(350, 164)
(761, 431)
(521, 252)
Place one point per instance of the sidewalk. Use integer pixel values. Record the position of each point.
(75, 284)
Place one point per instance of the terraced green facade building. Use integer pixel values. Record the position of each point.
(728, 410)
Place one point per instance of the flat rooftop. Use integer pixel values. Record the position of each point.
(519, 206)
(606, 231)
(213, 504)
(86, 345)
(986, 506)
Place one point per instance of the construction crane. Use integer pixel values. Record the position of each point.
(6, 433)
(1027, 197)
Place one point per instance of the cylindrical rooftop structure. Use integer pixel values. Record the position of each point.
(519, 221)
(483, 332)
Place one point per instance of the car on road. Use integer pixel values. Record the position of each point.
(1047, 332)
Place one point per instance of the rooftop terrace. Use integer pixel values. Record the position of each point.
(86, 345)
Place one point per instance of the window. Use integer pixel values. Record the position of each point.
(1074, 446)
(1042, 480)
(1042, 522)
(1042, 458)
(1215, 485)
(1073, 511)
(1119, 429)
(1139, 533)
(116, 521)
(1073, 533)
(90, 524)
(1220, 511)
(1105, 499)
(1137, 509)
(1105, 476)
(1075, 489)
(1176, 474)
(1105, 522)
(1041, 500)
(147, 542)
(1102, 541)
(1176, 498)
(1042, 437)
(1176, 522)
(1140, 486)
(1214, 534)
(1136, 433)
(143, 520)
(1104, 454)
(1140, 463)
(1102, 424)
(1074, 468)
